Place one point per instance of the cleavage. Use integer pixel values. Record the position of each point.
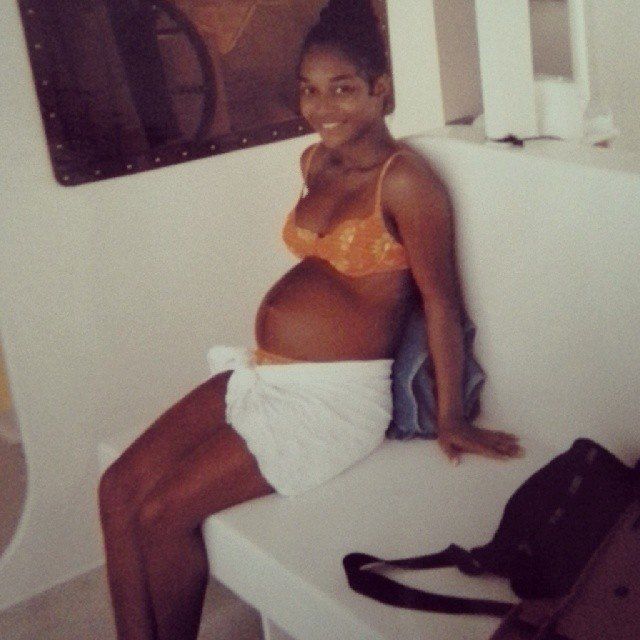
(355, 204)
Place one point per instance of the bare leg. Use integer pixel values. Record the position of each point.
(218, 474)
(130, 597)
(123, 487)
(129, 479)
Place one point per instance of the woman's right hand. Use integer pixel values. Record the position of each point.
(459, 436)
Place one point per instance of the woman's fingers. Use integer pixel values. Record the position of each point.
(484, 442)
(496, 437)
(451, 451)
(505, 443)
(485, 447)
(510, 448)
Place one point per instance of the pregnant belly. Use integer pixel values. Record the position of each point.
(313, 313)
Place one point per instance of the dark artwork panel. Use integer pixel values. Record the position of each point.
(130, 85)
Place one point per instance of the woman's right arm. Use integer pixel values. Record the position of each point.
(423, 215)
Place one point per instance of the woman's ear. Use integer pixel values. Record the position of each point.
(382, 88)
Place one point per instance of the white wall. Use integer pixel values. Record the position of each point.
(550, 43)
(614, 58)
(612, 29)
(111, 292)
(458, 52)
(549, 257)
(613, 35)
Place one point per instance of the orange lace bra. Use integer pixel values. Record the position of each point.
(355, 246)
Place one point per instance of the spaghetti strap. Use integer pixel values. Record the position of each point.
(378, 200)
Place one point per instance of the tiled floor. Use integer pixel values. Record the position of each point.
(80, 610)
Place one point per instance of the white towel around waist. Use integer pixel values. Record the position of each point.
(305, 422)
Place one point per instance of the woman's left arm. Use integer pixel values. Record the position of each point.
(419, 204)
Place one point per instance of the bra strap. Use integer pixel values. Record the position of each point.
(378, 201)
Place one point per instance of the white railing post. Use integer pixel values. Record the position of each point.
(506, 68)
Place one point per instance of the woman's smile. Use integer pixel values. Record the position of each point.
(330, 130)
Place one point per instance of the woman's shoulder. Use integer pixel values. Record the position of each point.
(412, 170)
(412, 165)
(412, 180)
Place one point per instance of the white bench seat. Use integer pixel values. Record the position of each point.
(284, 555)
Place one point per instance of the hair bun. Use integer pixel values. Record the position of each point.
(347, 8)
(354, 13)
(353, 26)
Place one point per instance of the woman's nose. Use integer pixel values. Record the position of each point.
(323, 106)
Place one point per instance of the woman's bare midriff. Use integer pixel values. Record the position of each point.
(315, 313)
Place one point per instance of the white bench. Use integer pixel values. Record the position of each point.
(551, 274)
(284, 555)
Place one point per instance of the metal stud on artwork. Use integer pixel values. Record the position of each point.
(131, 85)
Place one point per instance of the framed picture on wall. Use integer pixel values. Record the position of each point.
(130, 85)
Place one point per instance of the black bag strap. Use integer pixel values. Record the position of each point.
(365, 581)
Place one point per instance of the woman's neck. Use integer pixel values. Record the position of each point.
(366, 152)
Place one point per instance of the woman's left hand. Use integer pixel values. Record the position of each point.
(459, 436)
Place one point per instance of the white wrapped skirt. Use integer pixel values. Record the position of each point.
(305, 422)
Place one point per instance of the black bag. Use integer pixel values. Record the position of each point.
(550, 527)
(602, 604)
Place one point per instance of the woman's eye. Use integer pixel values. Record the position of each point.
(337, 91)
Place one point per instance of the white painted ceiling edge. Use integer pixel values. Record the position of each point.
(35, 560)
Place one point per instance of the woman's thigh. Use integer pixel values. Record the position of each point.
(219, 473)
(155, 453)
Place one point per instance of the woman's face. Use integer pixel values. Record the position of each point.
(336, 100)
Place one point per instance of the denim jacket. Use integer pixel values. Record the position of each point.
(413, 383)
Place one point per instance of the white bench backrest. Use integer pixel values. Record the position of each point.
(549, 256)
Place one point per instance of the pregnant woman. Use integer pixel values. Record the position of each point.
(374, 231)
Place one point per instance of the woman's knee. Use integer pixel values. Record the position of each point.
(173, 509)
(159, 519)
(149, 519)
(118, 490)
(155, 451)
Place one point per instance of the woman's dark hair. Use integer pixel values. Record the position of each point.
(352, 27)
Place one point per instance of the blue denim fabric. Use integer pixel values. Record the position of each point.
(413, 384)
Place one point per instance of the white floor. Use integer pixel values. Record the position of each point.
(80, 610)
